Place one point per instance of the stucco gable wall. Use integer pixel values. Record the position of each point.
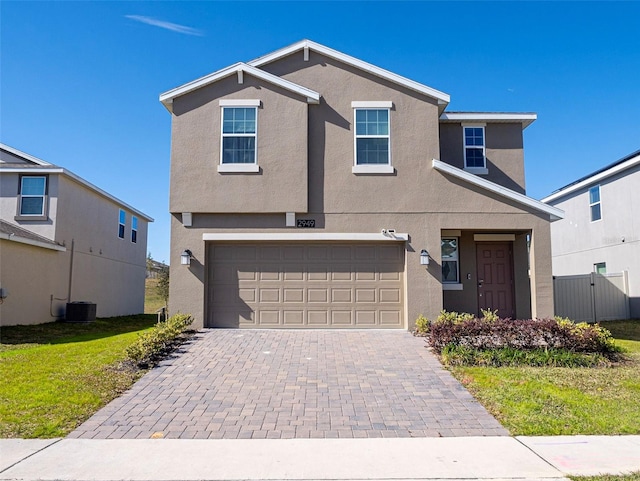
(281, 184)
(504, 152)
(414, 138)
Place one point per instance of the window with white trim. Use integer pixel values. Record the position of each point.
(594, 203)
(134, 229)
(239, 133)
(33, 196)
(450, 266)
(372, 136)
(474, 147)
(600, 268)
(122, 221)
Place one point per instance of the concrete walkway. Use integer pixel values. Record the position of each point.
(285, 384)
(456, 458)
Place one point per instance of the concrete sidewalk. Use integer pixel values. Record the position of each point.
(486, 458)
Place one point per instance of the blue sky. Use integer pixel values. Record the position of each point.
(79, 81)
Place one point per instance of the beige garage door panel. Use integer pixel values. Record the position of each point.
(305, 285)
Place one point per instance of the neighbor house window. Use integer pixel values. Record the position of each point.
(594, 203)
(372, 137)
(474, 148)
(33, 192)
(600, 268)
(122, 220)
(134, 229)
(239, 135)
(449, 253)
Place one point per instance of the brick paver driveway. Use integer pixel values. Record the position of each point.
(295, 384)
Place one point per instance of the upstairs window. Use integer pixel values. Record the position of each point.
(600, 268)
(372, 139)
(122, 221)
(239, 135)
(594, 203)
(372, 136)
(134, 229)
(449, 253)
(474, 149)
(33, 193)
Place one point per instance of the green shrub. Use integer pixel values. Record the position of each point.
(489, 315)
(457, 355)
(151, 344)
(422, 326)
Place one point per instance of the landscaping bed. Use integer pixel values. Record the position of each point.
(570, 379)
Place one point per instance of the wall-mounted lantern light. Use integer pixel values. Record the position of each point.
(424, 257)
(185, 257)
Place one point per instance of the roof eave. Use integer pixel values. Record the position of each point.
(525, 118)
(166, 98)
(32, 242)
(553, 212)
(592, 179)
(24, 155)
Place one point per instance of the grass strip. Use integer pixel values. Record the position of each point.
(55, 376)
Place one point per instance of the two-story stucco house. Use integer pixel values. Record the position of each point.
(63, 240)
(601, 230)
(312, 189)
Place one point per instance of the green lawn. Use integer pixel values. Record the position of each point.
(553, 401)
(609, 477)
(152, 300)
(55, 376)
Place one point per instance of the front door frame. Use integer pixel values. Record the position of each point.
(481, 274)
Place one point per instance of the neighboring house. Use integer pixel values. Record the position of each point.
(307, 187)
(63, 240)
(154, 268)
(601, 230)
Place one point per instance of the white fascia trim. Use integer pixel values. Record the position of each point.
(525, 118)
(305, 236)
(238, 168)
(593, 180)
(81, 181)
(239, 102)
(167, 97)
(349, 60)
(32, 242)
(553, 212)
(24, 155)
(19, 170)
(372, 104)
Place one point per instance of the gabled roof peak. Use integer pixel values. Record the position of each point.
(443, 98)
(29, 158)
(240, 67)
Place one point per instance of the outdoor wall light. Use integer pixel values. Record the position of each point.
(185, 257)
(424, 257)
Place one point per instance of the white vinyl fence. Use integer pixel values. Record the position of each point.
(592, 297)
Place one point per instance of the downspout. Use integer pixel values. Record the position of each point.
(71, 270)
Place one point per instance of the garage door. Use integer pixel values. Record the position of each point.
(304, 285)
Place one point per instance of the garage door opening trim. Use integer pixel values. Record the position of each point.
(304, 236)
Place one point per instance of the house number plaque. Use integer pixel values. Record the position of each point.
(306, 223)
